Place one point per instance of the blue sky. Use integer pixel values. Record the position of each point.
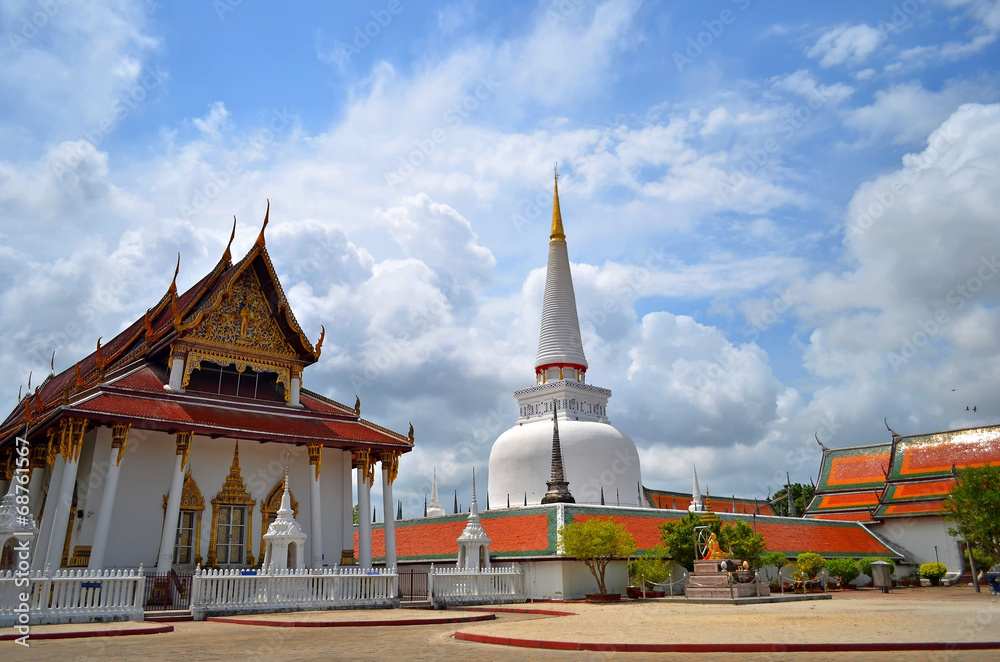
(782, 216)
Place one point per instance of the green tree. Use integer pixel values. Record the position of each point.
(650, 568)
(355, 514)
(973, 505)
(775, 559)
(801, 494)
(845, 570)
(678, 538)
(596, 542)
(742, 542)
(809, 565)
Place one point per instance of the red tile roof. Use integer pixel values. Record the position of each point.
(680, 501)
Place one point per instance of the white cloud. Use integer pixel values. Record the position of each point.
(805, 85)
(215, 120)
(844, 43)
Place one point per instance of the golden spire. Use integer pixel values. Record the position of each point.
(227, 256)
(557, 226)
(173, 284)
(267, 215)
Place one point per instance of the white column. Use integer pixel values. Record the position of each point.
(64, 498)
(293, 395)
(364, 516)
(45, 533)
(37, 481)
(316, 528)
(388, 475)
(347, 496)
(119, 436)
(176, 374)
(168, 537)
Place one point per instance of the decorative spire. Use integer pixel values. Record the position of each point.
(267, 215)
(434, 509)
(52, 364)
(696, 503)
(559, 343)
(228, 256)
(319, 343)
(474, 508)
(557, 224)
(173, 284)
(558, 485)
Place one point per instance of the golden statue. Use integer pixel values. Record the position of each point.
(713, 552)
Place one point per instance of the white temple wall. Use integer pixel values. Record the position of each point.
(919, 535)
(145, 476)
(560, 579)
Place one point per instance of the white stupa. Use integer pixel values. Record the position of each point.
(435, 509)
(595, 454)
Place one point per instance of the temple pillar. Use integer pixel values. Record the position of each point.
(37, 480)
(53, 459)
(293, 396)
(119, 437)
(347, 497)
(71, 442)
(390, 468)
(365, 480)
(176, 373)
(165, 558)
(316, 521)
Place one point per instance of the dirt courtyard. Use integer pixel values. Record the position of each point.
(954, 614)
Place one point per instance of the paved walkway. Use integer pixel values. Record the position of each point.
(931, 614)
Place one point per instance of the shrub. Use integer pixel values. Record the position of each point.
(846, 570)
(651, 567)
(739, 539)
(809, 564)
(933, 570)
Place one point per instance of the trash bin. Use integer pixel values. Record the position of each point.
(882, 575)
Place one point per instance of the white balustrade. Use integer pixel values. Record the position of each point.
(72, 596)
(218, 592)
(466, 586)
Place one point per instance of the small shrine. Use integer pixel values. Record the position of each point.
(284, 541)
(474, 544)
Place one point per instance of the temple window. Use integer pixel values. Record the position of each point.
(230, 535)
(232, 526)
(227, 380)
(187, 544)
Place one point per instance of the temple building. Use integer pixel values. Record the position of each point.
(897, 488)
(167, 447)
(600, 461)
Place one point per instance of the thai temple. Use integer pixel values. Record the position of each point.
(188, 444)
(180, 441)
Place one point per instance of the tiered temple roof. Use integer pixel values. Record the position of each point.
(236, 314)
(911, 475)
(668, 500)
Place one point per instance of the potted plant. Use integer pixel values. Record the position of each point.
(934, 572)
(845, 570)
(597, 541)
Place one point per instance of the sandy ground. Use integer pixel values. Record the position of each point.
(946, 614)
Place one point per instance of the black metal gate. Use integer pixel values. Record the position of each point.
(412, 585)
(167, 590)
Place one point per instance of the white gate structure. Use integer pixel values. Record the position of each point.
(448, 587)
(71, 596)
(229, 592)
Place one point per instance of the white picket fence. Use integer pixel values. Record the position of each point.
(449, 587)
(72, 596)
(229, 592)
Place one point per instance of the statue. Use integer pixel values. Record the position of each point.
(713, 552)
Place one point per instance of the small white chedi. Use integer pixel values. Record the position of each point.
(284, 540)
(597, 456)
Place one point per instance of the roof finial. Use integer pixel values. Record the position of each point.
(267, 215)
(319, 343)
(100, 355)
(227, 256)
(557, 224)
(173, 284)
(52, 364)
